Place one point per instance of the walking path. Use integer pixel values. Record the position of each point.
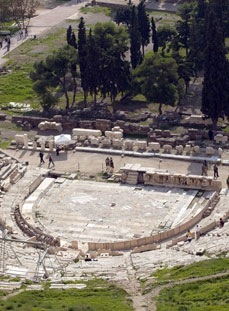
(45, 20)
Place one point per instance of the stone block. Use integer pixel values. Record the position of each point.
(128, 144)
(140, 144)
(154, 147)
(95, 142)
(196, 149)
(188, 148)
(179, 149)
(210, 150)
(19, 139)
(77, 132)
(167, 148)
(106, 143)
(220, 152)
(117, 143)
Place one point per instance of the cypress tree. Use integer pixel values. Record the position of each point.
(92, 77)
(154, 35)
(135, 40)
(215, 84)
(82, 54)
(144, 25)
(69, 35)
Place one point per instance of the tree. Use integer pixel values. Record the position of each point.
(111, 41)
(144, 25)
(82, 54)
(165, 35)
(71, 38)
(183, 25)
(5, 13)
(157, 79)
(57, 74)
(93, 75)
(154, 35)
(135, 40)
(215, 84)
(21, 11)
(123, 15)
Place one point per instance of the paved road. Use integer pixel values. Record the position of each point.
(93, 163)
(45, 20)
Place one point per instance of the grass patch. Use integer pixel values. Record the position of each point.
(197, 269)
(16, 86)
(210, 295)
(96, 9)
(98, 296)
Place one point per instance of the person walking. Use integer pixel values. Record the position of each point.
(228, 182)
(1, 43)
(41, 155)
(51, 161)
(216, 171)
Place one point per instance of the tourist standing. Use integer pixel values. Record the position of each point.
(57, 150)
(197, 232)
(111, 164)
(107, 162)
(216, 171)
(26, 32)
(41, 155)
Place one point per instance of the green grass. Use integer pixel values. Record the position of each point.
(16, 86)
(210, 295)
(197, 269)
(98, 296)
(96, 9)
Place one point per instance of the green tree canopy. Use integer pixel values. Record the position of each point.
(215, 86)
(157, 79)
(165, 36)
(56, 74)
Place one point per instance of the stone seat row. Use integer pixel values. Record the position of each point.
(31, 231)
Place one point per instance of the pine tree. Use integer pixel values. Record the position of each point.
(144, 25)
(154, 35)
(215, 85)
(82, 55)
(135, 40)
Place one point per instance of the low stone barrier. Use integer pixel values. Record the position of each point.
(31, 231)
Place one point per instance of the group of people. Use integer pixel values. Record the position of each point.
(205, 169)
(50, 159)
(190, 235)
(24, 33)
(7, 41)
(109, 164)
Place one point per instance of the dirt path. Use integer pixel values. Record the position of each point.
(156, 291)
(13, 294)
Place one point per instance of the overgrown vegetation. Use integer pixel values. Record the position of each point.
(99, 295)
(197, 269)
(209, 295)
